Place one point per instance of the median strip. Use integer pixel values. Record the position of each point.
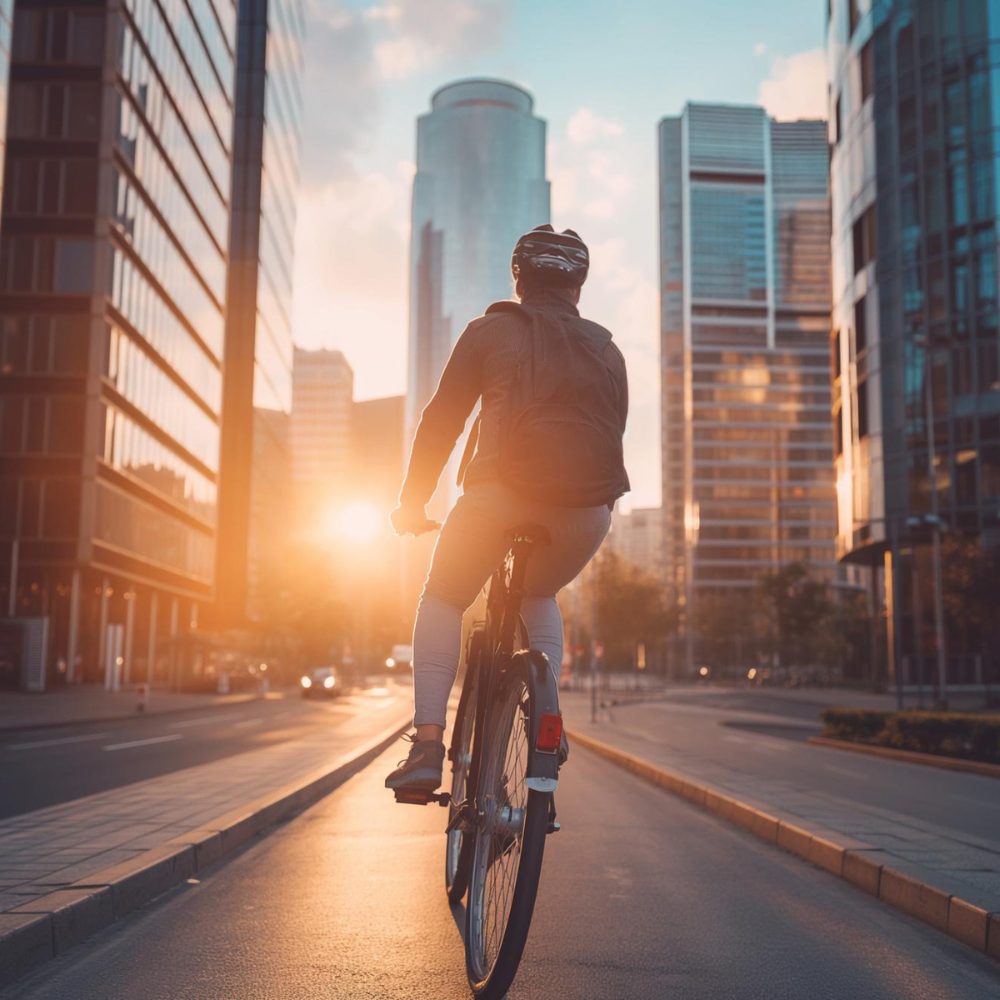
(852, 860)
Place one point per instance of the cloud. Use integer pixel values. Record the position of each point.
(759, 49)
(415, 35)
(340, 84)
(796, 86)
(585, 127)
(350, 275)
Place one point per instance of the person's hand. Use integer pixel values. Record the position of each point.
(410, 520)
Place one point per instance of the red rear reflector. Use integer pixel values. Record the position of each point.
(549, 733)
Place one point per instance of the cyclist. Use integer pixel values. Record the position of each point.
(549, 452)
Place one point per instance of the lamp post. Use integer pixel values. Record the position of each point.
(935, 524)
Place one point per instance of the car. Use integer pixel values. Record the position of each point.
(401, 656)
(322, 682)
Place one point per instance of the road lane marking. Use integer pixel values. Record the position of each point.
(144, 743)
(248, 722)
(204, 721)
(58, 742)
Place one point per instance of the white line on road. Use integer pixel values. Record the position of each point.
(58, 742)
(144, 743)
(203, 721)
(248, 722)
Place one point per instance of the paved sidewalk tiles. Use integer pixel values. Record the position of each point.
(51, 849)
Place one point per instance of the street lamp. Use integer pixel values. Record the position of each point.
(934, 520)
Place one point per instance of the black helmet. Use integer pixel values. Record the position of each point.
(552, 258)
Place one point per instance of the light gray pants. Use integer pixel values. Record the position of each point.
(474, 539)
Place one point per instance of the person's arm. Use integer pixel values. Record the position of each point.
(442, 421)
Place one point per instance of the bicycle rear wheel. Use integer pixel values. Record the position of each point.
(509, 843)
(458, 848)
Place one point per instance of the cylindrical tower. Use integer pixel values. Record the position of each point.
(480, 183)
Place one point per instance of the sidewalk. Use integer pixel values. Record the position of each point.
(941, 829)
(91, 703)
(69, 869)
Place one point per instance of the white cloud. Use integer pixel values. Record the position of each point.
(759, 49)
(415, 35)
(796, 86)
(585, 127)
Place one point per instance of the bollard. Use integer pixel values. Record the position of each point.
(142, 697)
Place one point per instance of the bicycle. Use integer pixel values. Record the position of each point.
(505, 756)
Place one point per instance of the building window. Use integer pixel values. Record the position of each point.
(853, 15)
(860, 327)
(864, 238)
(867, 61)
(863, 409)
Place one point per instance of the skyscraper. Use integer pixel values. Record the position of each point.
(480, 183)
(745, 296)
(321, 437)
(254, 493)
(112, 290)
(915, 163)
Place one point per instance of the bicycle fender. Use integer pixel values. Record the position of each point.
(543, 765)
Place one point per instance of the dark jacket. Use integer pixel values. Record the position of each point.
(483, 364)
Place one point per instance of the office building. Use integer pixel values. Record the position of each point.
(637, 537)
(254, 492)
(745, 297)
(112, 290)
(480, 184)
(379, 455)
(914, 167)
(320, 434)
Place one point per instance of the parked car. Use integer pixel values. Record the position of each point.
(322, 682)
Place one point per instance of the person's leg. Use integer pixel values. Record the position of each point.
(545, 628)
(472, 543)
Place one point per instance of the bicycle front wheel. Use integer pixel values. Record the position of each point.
(509, 842)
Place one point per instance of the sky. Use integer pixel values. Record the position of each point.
(602, 76)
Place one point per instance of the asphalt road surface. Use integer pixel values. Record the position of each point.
(642, 896)
(43, 767)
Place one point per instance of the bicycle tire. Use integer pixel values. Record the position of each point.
(458, 846)
(504, 838)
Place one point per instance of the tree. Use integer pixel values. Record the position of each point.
(629, 607)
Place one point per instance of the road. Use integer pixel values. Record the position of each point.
(643, 896)
(43, 767)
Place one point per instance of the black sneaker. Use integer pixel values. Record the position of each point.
(422, 769)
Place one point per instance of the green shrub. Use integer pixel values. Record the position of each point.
(950, 734)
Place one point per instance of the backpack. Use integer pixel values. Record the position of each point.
(561, 429)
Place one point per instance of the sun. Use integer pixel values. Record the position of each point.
(359, 522)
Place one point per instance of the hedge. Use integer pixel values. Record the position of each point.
(950, 734)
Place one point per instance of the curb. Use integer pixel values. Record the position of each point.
(852, 860)
(911, 756)
(46, 927)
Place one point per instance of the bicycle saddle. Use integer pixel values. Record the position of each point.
(533, 534)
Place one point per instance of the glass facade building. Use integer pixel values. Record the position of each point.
(112, 289)
(480, 184)
(6, 21)
(255, 493)
(747, 455)
(915, 180)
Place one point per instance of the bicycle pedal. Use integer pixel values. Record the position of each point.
(419, 798)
